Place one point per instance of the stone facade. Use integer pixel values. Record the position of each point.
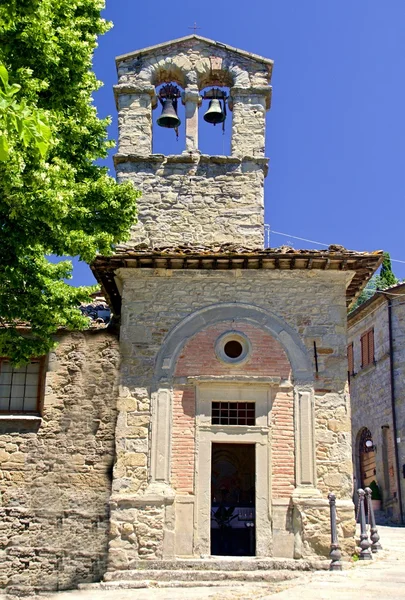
(55, 471)
(194, 198)
(146, 479)
(372, 392)
(116, 470)
(177, 302)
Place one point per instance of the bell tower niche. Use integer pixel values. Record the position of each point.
(192, 198)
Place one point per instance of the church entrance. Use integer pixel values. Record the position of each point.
(233, 499)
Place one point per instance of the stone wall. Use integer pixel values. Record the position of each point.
(200, 200)
(370, 390)
(55, 475)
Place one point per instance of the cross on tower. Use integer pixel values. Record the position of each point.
(194, 27)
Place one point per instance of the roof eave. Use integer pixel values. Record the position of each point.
(364, 265)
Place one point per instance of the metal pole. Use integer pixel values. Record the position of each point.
(335, 553)
(374, 537)
(365, 553)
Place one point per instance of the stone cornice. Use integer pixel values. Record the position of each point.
(189, 157)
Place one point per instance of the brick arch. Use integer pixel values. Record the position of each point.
(288, 338)
(266, 358)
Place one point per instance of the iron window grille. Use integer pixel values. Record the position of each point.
(21, 387)
(233, 413)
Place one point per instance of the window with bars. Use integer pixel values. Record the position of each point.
(350, 359)
(20, 388)
(233, 413)
(367, 348)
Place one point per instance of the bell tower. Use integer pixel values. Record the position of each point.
(193, 198)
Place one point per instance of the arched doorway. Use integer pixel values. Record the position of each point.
(367, 462)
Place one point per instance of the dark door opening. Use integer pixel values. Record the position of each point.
(233, 500)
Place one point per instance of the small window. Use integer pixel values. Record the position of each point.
(350, 359)
(367, 348)
(233, 347)
(233, 413)
(20, 388)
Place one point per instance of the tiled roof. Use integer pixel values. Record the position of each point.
(232, 256)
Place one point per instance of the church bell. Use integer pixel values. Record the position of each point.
(215, 114)
(169, 117)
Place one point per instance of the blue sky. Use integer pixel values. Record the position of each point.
(336, 129)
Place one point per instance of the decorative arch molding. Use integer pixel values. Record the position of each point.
(159, 69)
(210, 315)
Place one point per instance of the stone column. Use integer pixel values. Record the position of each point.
(249, 106)
(192, 100)
(135, 106)
(305, 478)
(161, 443)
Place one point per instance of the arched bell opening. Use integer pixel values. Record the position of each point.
(215, 122)
(169, 120)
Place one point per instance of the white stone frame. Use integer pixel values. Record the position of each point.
(259, 434)
(229, 336)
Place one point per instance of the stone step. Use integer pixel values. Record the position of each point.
(151, 583)
(201, 575)
(224, 563)
(172, 579)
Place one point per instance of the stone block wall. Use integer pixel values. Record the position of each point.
(248, 125)
(55, 475)
(370, 390)
(201, 200)
(135, 123)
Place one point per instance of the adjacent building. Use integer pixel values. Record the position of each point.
(376, 357)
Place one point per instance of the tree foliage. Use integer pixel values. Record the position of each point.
(382, 281)
(53, 198)
(386, 278)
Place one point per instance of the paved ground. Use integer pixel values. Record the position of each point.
(383, 578)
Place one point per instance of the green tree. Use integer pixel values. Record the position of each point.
(386, 278)
(382, 281)
(368, 291)
(53, 198)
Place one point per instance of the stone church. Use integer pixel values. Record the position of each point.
(213, 419)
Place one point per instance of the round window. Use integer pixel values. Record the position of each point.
(233, 347)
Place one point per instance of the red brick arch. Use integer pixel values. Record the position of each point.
(267, 357)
